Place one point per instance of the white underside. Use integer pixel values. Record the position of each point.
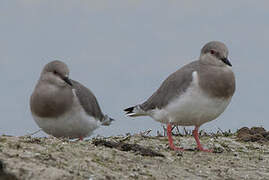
(73, 124)
(193, 107)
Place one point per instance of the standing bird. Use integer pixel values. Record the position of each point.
(193, 95)
(63, 107)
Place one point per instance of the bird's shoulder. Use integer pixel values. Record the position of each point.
(172, 87)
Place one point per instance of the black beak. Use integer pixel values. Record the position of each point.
(68, 81)
(226, 61)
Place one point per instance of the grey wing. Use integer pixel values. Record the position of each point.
(175, 85)
(88, 101)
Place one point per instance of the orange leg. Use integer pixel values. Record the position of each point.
(196, 137)
(170, 139)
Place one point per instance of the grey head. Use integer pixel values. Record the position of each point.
(53, 93)
(216, 77)
(215, 53)
(57, 73)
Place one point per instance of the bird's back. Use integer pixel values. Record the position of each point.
(214, 81)
(88, 101)
(175, 85)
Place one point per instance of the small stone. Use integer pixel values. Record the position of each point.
(257, 130)
(218, 150)
(179, 153)
(243, 131)
(2, 139)
(256, 137)
(245, 137)
(267, 137)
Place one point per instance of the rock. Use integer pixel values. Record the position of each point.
(267, 137)
(243, 131)
(257, 130)
(245, 137)
(5, 175)
(257, 137)
(255, 134)
(265, 134)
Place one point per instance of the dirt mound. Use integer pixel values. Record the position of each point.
(131, 157)
(254, 134)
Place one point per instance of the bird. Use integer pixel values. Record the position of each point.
(64, 108)
(195, 94)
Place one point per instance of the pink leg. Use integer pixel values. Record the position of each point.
(170, 139)
(196, 137)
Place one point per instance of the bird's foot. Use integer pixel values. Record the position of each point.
(196, 137)
(170, 139)
(204, 150)
(176, 148)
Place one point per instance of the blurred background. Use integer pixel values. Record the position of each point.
(123, 49)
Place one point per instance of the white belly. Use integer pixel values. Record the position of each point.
(193, 107)
(73, 124)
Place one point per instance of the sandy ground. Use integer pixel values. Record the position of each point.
(51, 158)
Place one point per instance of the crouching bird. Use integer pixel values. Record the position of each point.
(63, 107)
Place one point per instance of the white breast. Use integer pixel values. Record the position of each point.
(73, 124)
(194, 107)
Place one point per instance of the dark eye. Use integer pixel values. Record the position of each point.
(212, 51)
(55, 72)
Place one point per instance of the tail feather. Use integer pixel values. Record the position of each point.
(134, 111)
(129, 110)
(107, 120)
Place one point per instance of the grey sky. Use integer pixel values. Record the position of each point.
(123, 49)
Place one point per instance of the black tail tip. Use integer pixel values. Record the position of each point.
(129, 110)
